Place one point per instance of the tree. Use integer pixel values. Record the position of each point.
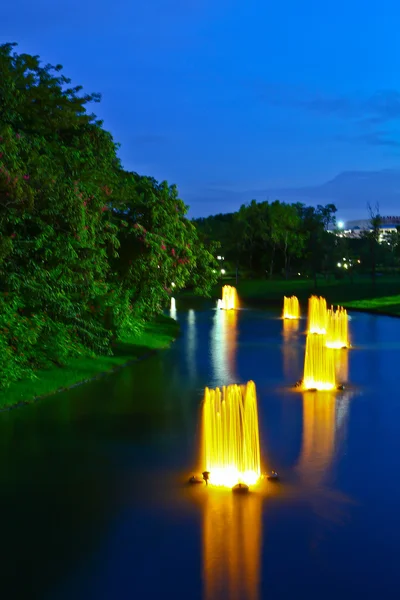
(88, 252)
(372, 236)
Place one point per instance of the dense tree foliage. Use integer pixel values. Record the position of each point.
(88, 251)
(274, 239)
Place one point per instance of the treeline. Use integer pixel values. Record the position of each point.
(88, 251)
(275, 239)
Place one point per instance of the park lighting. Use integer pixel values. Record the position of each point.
(346, 266)
(359, 261)
(172, 284)
(339, 265)
(219, 257)
(223, 271)
(340, 224)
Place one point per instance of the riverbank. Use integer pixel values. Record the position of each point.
(157, 335)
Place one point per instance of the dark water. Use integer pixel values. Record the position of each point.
(92, 499)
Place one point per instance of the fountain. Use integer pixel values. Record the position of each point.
(337, 331)
(230, 298)
(319, 364)
(230, 436)
(317, 315)
(291, 307)
(172, 310)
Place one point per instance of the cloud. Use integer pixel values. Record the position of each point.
(372, 138)
(350, 191)
(382, 106)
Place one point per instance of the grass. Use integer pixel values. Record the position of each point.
(157, 335)
(386, 305)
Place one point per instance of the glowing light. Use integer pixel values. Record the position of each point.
(339, 264)
(317, 315)
(337, 332)
(230, 436)
(219, 257)
(291, 308)
(172, 284)
(224, 346)
(346, 266)
(232, 537)
(340, 224)
(223, 271)
(229, 298)
(319, 365)
(172, 310)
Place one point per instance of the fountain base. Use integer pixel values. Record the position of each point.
(240, 488)
(194, 480)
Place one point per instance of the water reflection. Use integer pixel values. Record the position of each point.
(291, 352)
(224, 346)
(191, 344)
(318, 444)
(342, 365)
(232, 536)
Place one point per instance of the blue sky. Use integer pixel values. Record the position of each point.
(237, 100)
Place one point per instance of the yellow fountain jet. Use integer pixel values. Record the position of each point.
(337, 334)
(230, 298)
(319, 365)
(291, 308)
(317, 315)
(230, 436)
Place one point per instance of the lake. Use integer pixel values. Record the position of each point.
(92, 481)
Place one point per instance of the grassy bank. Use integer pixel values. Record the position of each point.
(383, 297)
(157, 335)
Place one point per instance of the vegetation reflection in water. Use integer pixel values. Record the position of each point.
(230, 435)
(291, 307)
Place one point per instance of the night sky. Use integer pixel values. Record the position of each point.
(296, 100)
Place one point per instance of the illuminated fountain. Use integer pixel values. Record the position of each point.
(291, 307)
(172, 310)
(319, 365)
(317, 315)
(230, 298)
(230, 436)
(337, 331)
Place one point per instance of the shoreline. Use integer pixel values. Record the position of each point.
(135, 352)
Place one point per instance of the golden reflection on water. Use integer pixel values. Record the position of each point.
(318, 444)
(291, 351)
(232, 535)
(342, 365)
(224, 346)
(191, 343)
